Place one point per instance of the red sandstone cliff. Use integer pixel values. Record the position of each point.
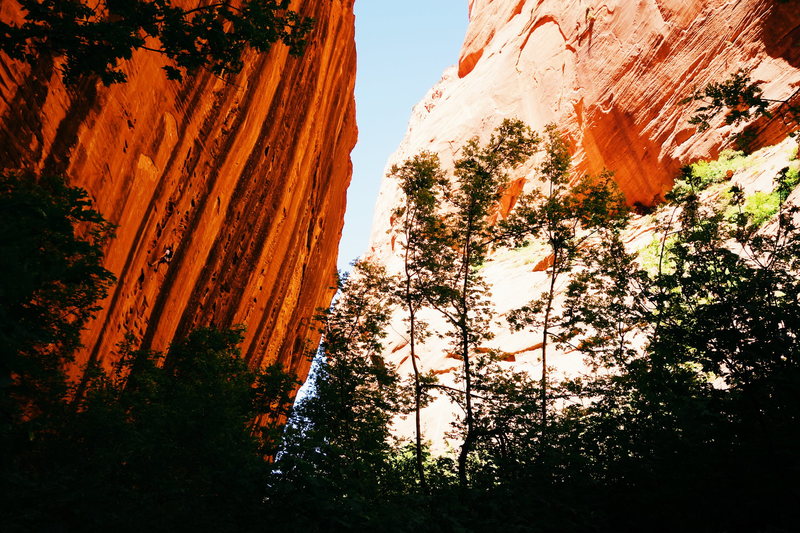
(614, 71)
(611, 74)
(246, 180)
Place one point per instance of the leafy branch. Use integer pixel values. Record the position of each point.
(91, 41)
(740, 98)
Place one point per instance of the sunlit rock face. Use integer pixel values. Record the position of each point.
(611, 75)
(245, 179)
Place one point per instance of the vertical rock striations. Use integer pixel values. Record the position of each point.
(245, 179)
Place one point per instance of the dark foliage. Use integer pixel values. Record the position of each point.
(337, 450)
(687, 419)
(91, 38)
(153, 443)
(170, 447)
(52, 278)
(707, 412)
(740, 99)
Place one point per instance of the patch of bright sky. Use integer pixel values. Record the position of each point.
(403, 46)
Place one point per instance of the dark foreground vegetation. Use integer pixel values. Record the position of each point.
(687, 417)
(89, 40)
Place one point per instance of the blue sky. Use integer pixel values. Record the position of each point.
(403, 48)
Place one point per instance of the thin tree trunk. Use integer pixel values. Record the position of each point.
(417, 397)
(469, 438)
(545, 334)
(413, 345)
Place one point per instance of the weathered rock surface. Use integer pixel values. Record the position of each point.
(246, 180)
(610, 75)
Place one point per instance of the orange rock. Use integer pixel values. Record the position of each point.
(610, 77)
(544, 264)
(245, 180)
(612, 88)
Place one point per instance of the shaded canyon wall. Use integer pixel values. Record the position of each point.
(246, 180)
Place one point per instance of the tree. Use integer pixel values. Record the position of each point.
(566, 217)
(171, 446)
(338, 451)
(705, 406)
(738, 94)
(741, 100)
(51, 256)
(91, 38)
(183, 437)
(421, 181)
(457, 290)
(506, 419)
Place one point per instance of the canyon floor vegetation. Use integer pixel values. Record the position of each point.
(686, 418)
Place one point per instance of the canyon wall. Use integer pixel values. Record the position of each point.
(244, 178)
(610, 74)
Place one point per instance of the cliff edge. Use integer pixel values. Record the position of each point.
(244, 178)
(610, 75)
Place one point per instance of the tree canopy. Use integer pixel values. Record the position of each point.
(686, 418)
(51, 257)
(92, 38)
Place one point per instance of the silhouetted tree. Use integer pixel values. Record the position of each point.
(565, 216)
(421, 181)
(338, 451)
(458, 291)
(172, 448)
(51, 259)
(696, 397)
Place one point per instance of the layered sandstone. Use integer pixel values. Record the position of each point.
(244, 178)
(611, 75)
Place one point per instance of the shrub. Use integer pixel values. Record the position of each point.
(761, 206)
(707, 173)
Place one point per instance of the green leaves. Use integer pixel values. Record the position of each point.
(719, 339)
(565, 215)
(482, 173)
(94, 40)
(738, 95)
(741, 99)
